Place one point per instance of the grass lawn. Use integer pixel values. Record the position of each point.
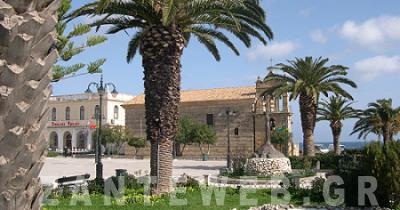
(194, 202)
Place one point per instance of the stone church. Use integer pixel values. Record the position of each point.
(246, 107)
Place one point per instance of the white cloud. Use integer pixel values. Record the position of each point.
(371, 68)
(274, 50)
(375, 33)
(318, 36)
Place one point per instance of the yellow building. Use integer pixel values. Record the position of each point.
(247, 131)
(73, 119)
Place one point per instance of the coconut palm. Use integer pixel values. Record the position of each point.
(380, 118)
(160, 31)
(306, 79)
(27, 31)
(335, 110)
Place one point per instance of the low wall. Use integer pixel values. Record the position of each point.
(268, 166)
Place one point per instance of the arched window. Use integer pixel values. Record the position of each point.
(82, 113)
(116, 111)
(67, 113)
(97, 112)
(54, 114)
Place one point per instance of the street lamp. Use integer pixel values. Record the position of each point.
(229, 154)
(101, 90)
(254, 110)
(266, 109)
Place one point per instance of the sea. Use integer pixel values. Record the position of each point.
(347, 144)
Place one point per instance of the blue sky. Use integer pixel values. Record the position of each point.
(361, 34)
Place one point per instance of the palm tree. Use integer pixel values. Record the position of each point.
(27, 31)
(162, 29)
(380, 118)
(335, 110)
(306, 79)
(67, 47)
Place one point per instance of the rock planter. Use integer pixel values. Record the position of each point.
(268, 166)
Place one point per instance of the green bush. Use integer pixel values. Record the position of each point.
(137, 196)
(379, 161)
(383, 162)
(52, 154)
(327, 161)
(189, 182)
(317, 190)
(96, 187)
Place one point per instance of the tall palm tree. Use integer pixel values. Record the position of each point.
(306, 79)
(335, 110)
(380, 118)
(161, 30)
(27, 31)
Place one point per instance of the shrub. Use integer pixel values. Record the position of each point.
(188, 182)
(317, 190)
(95, 187)
(239, 161)
(296, 162)
(383, 162)
(52, 154)
(327, 161)
(379, 161)
(137, 196)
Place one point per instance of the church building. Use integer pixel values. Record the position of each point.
(245, 126)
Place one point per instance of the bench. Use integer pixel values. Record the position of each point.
(73, 181)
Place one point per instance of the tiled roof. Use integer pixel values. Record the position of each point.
(216, 94)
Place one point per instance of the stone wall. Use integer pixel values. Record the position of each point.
(268, 166)
(242, 121)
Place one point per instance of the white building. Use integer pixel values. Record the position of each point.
(73, 119)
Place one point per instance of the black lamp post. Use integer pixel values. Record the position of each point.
(101, 90)
(229, 153)
(267, 111)
(254, 110)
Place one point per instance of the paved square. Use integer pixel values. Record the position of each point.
(58, 167)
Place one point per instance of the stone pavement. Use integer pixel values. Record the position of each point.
(58, 167)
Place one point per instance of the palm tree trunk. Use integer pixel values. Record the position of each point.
(386, 130)
(26, 56)
(336, 128)
(308, 110)
(161, 50)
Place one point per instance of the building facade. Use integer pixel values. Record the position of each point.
(73, 119)
(247, 130)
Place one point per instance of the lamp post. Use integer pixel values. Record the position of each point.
(266, 105)
(229, 153)
(101, 89)
(254, 110)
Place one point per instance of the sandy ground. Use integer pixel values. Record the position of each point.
(58, 167)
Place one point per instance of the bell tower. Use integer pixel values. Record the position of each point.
(269, 107)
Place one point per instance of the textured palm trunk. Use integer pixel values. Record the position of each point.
(336, 128)
(26, 56)
(308, 110)
(386, 132)
(161, 50)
